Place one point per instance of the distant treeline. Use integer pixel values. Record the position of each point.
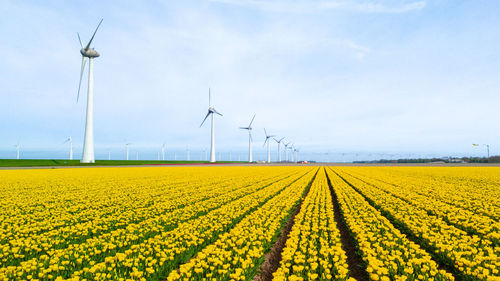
(492, 159)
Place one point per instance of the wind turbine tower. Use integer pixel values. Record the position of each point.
(249, 128)
(18, 148)
(286, 151)
(126, 147)
(163, 152)
(211, 111)
(291, 153)
(70, 140)
(279, 147)
(296, 150)
(90, 54)
(268, 147)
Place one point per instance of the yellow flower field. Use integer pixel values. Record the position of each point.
(231, 223)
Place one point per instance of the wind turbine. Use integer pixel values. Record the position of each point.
(70, 140)
(18, 148)
(296, 150)
(249, 128)
(291, 153)
(163, 152)
(90, 54)
(286, 151)
(279, 147)
(126, 147)
(268, 147)
(211, 111)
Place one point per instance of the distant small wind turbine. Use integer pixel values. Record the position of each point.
(211, 111)
(126, 147)
(291, 152)
(90, 54)
(268, 147)
(286, 151)
(279, 147)
(18, 148)
(249, 128)
(296, 151)
(70, 140)
(162, 152)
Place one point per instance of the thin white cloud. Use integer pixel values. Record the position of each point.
(361, 51)
(302, 6)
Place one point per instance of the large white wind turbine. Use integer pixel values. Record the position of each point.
(211, 111)
(90, 54)
(279, 147)
(70, 140)
(268, 147)
(249, 128)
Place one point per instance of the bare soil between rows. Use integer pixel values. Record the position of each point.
(273, 258)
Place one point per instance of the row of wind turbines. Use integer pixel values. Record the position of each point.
(88, 156)
(288, 146)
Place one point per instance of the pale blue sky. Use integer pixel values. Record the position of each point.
(350, 77)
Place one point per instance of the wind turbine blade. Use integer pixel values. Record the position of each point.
(92, 38)
(244, 128)
(265, 132)
(217, 112)
(249, 126)
(79, 39)
(205, 119)
(265, 142)
(209, 98)
(84, 61)
(282, 139)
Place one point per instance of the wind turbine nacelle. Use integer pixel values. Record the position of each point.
(90, 53)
